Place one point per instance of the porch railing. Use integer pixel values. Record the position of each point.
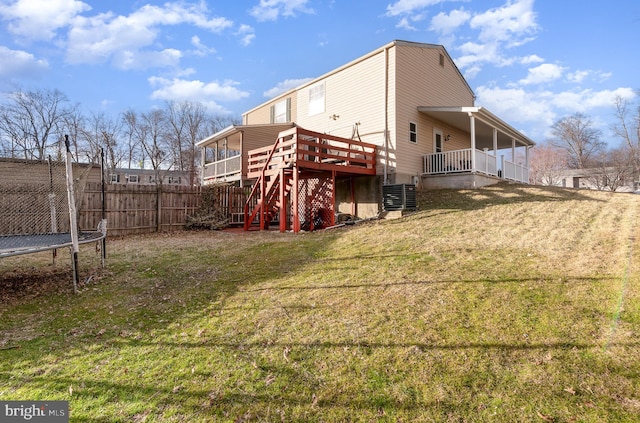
(460, 161)
(515, 172)
(225, 168)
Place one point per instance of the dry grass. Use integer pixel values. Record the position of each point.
(501, 304)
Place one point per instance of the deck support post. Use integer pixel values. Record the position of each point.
(263, 190)
(332, 218)
(295, 190)
(283, 202)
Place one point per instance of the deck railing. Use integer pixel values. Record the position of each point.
(225, 168)
(460, 161)
(313, 150)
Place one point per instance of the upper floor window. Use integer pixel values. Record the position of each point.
(281, 111)
(132, 179)
(316, 99)
(413, 132)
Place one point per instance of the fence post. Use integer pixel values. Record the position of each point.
(159, 208)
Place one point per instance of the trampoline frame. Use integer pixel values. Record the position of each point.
(14, 245)
(9, 248)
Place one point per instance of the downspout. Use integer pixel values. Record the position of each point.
(386, 114)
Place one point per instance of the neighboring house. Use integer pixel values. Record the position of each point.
(603, 179)
(407, 100)
(147, 177)
(14, 170)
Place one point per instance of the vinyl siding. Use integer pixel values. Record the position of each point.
(422, 81)
(262, 113)
(355, 94)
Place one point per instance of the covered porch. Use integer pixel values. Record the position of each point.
(496, 150)
(225, 153)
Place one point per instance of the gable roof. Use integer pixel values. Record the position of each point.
(363, 58)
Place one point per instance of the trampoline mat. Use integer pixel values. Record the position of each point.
(12, 245)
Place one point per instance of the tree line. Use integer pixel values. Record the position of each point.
(33, 124)
(576, 143)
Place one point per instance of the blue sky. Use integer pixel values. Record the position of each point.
(530, 62)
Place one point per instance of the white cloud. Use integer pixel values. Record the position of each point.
(285, 86)
(16, 63)
(106, 37)
(542, 108)
(40, 19)
(534, 58)
(448, 23)
(546, 72)
(581, 76)
(506, 23)
(517, 105)
(247, 34)
(404, 24)
(403, 7)
(271, 10)
(201, 49)
(588, 99)
(578, 76)
(208, 93)
(474, 55)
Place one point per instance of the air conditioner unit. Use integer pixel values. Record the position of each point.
(399, 197)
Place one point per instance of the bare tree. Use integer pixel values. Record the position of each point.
(546, 164)
(579, 138)
(31, 118)
(133, 151)
(627, 128)
(73, 125)
(102, 132)
(610, 170)
(188, 123)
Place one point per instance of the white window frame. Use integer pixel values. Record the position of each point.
(413, 135)
(115, 178)
(133, 179)
(280, 111)
(317, 96)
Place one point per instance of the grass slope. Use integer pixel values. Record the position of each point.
(507, 303)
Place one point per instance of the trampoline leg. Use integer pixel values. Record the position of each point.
(74, 263)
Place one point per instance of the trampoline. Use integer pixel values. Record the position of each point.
(14, 245)
(39, 212)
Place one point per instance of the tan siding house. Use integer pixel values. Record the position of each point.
(411, 101)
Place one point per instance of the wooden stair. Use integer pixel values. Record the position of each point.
(296, 154)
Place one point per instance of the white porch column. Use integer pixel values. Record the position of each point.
(513, 150)
(472, 130)
(495, 142)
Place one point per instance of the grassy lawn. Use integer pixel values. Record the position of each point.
(500, 304)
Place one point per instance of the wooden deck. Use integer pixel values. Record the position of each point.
(302, 158)
(309, 150)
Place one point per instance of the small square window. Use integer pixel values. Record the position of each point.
(115, 178)
(132, 179)
(413, 132)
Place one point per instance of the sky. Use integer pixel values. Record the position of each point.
(529, 62)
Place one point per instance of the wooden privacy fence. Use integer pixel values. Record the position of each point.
(139, 209)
